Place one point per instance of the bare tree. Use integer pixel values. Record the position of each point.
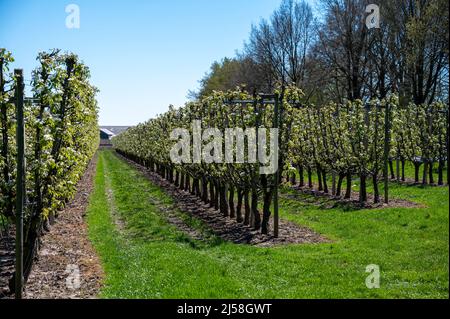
(343, 46)
(279, 46)
(427, 46)
(408, 54)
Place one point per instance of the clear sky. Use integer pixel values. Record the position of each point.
(143, 54)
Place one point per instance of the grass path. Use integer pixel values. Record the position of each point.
(150, 258)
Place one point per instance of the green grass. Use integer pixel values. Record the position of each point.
(150, 258)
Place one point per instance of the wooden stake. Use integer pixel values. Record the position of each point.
(277, 174)
(20, 183)
(386, 154)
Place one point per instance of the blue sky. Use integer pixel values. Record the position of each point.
(143, 54)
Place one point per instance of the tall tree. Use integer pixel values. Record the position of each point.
(279, 46)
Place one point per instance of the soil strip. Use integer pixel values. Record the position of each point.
(68, 266)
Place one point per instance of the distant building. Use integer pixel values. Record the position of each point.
(108, 132)
(116, 129)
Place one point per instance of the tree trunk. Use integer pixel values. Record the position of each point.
(231, 202)
(319, 178)
(376, 191)
(198, 190)
(339, 185)
(247, 210)
(416, 171)
(182, 183)
(431, 173)
(301, 177)
(187, 183)
(403, 170)
(216, 194)
(177, 178)
(211, 193)
(224, 210)
(310, 183)
(425, 173)
(266, 211)
(391, 168)
(5, 189)
(193, 188)
(37, 172)
(325, 185)
(204, 189)
(348, 192)
(240, 195)
(170, 174)
(30, 249)
(293, 178)
(440, 172)
(255, 212)
(397, 170)
(196, 187)
(223, 199)
(362, 189)
(333, 184)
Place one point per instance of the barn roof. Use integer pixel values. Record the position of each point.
(116, 130)
(107, 132)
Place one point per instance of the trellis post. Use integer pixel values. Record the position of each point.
(277, 172)
(386, 153)
(20, 183)
(447, 142)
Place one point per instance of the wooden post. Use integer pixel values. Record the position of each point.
(447, 142)
(257, 112)
(20, 183)
(277, 173)
(386, 154)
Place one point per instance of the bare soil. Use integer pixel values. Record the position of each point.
(66, 251)
(6, 259)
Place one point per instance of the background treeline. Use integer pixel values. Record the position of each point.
(61, 137)
(333, 56)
